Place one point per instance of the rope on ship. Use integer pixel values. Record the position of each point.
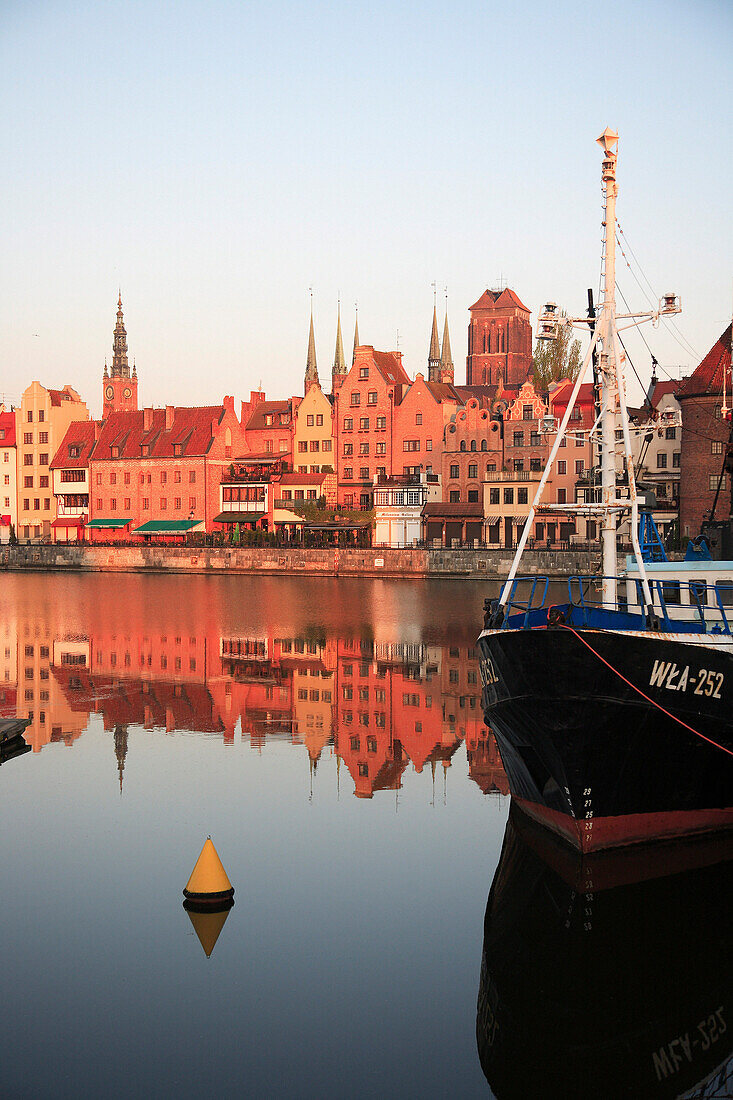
(638, 690)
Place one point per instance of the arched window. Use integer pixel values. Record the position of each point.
(484, 445)
(463, 444)
(228, 443)
(473, 444)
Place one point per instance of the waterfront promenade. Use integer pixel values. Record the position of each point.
(329, 561)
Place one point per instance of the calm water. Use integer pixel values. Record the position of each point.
(328, 735)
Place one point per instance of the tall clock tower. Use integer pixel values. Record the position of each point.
(119, 387)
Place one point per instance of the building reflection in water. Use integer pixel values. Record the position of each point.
(379, 707)
(608, 976)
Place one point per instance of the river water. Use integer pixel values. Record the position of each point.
(327, 734)
(397, 929)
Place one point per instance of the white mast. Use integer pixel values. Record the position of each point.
(607, 366)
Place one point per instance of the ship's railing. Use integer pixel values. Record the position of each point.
(679, 606)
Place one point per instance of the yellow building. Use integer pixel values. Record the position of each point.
(44, 416)
(313, 444)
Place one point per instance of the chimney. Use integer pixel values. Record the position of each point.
(97, 430)
(228, 403)
(169, 415)
(147, 419)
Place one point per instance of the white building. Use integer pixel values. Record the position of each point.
(398, 503)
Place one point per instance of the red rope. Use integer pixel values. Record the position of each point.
(640, 692)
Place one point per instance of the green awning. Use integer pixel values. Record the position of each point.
(109, 523)
(167, 526)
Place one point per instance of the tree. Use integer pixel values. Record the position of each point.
(556, 359)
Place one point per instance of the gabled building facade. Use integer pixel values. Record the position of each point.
(499, 340)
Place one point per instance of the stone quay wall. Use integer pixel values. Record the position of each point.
(292, 561)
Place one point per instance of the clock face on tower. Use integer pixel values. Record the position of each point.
(127, 393)
(109, 393)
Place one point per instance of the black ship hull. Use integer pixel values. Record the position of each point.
(607, 976)
(611, 737)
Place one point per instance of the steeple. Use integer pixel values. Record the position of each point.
(119, 387)
(356, 335)
(434, 353)
(120, 736)
(311, 368)
(446, 359)
(339, 362)
(120, 366)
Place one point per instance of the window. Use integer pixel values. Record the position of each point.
(28, 482)
(315, 445)
(310, 420)
(192, 504)
(418, 418)
(411, 445)
(126, 477)
(562, 496)
(146, 504)
(372, 397)
(348, 448)
(302, 446)
(311, 494)
(364, 473)
(163, 477)
(670, 433)
(43, 481)
(47, 505)
(493, 496)
(30, 416)
(27, 460)
(43, 460)
(713, 482)
(473, 470)
(364, 424)
(662, 460)
(113, 479)
(127, 504)
(526, 412)
(381, 423)
(349, 473)
(535, 464)
(380, 449)
(363, 448)
(99, 504)
(325, 444)
(579, 467)
(428, 444)
(716, 447)
(348, 424)
(163, 504)
(41, 416)
(509, 496)
(455, 471)
(192, 477)
(43, 437)
(522, 496)
(462, 446)
(363, 373)
(356, 399)
(535, 440)
(676, 459)
(518, 465)
(455, 496)
(473, 496)
(113, 504)
(319, 420)
(28, 439)
(36, 504)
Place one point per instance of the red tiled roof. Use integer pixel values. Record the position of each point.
(561, 393)
(707, 378)
(257, 419)
(302, 479)
(497, 298)
(66, 394)
(389, 365)
(80, 433)
(443, 391)
(190, 426)
(7, 424)
(661, 389)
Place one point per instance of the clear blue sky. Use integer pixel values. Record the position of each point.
(216, 160)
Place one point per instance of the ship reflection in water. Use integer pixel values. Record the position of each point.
(609, 976)
(378, 705)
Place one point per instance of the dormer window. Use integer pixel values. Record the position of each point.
(269, 419)
(74, 450)
(115, 449)
(177, 450)
(145, 448)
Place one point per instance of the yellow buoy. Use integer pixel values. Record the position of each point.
(209, 886)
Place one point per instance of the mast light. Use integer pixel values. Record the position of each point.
(670, 303)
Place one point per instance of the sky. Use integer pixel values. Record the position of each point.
(215, 161)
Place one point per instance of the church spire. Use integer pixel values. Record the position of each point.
(120, 365)
(356, 335)
(339, 362)
(120, 736)
(446, 359)
(311, 367)
(434, 353)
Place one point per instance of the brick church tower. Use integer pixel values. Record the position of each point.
(119, 387)
(499, 340)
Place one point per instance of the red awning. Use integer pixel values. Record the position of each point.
(69, 521)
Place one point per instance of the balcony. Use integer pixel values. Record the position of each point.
(513, 475)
